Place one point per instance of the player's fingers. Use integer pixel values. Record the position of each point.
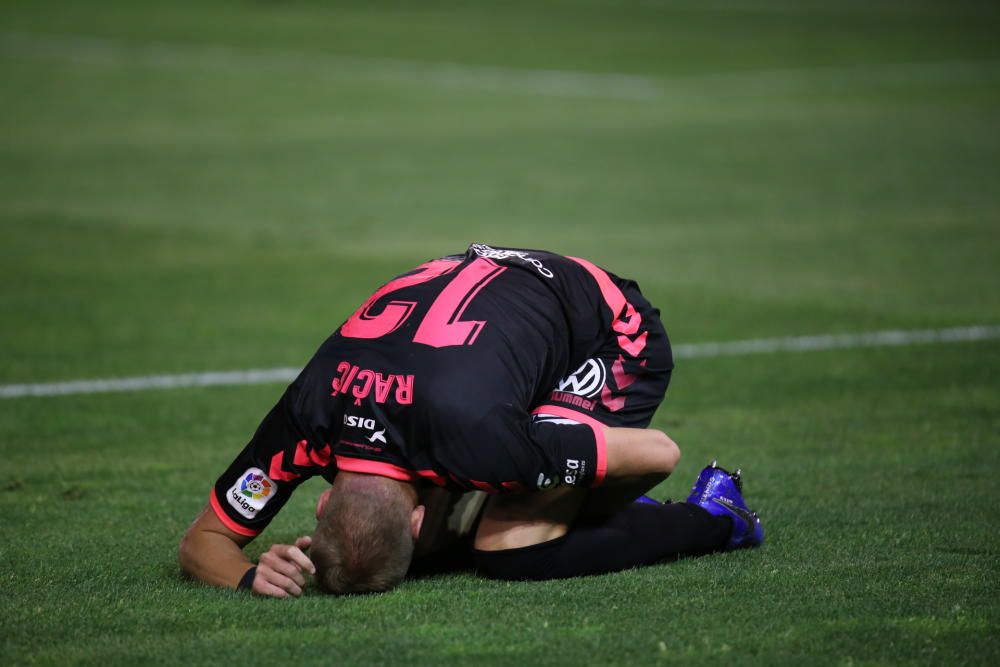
(281, 581)
(273, 561)
(288, 568)
(304, 542)
(295, 555)
(263, 587)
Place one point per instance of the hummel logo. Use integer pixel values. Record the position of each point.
(378, 435)
(738, 511)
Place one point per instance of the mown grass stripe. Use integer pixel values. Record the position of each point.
(86, 50)
(218, 57)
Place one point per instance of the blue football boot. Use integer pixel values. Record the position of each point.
(721, 493)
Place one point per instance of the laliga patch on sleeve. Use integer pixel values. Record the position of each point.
(251, 492)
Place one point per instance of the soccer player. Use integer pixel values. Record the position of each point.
(525, 374)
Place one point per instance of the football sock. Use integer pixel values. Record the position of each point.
(640, 534)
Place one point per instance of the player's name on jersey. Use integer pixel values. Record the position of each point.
(360, 382)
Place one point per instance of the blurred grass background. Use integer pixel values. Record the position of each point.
(193, 186)
(801, 166)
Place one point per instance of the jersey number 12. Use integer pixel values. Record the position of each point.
(442, 326)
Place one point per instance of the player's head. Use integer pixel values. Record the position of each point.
(365, 532)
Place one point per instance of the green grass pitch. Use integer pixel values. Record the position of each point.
(190, 186)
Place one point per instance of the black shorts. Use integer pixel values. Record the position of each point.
(625, 381)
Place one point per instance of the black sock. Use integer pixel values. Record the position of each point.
(638, 535)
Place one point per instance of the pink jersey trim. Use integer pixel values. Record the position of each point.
(627, 323)
(623, 379)
(224, 518)
(277, 470)
(433, 477)
(483, 486)
(602, 455)
(568, 413)
(380, 468)
(596, 426)
(301, 457)
(612, 295)
(321, 457)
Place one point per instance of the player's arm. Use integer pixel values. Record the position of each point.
(634, 453)
(244, 500)
(637, 460)
(213, 554)
(623, 463)
(585, 453)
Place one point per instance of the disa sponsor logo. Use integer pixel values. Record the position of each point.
(367, 424)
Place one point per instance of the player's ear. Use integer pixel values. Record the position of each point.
(416, 521)
(321, 502)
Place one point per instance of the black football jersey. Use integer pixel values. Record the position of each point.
(435, 378)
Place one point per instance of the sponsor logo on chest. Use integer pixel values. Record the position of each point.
(366, 424)
(586, 381)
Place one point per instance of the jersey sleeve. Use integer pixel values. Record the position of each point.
(510, 450)
(262, 478)
(577, 449)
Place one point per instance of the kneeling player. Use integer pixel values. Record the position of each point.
(444, 377)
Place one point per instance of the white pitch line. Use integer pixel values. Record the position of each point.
(146, 382)
(687, 351)
(838, 341)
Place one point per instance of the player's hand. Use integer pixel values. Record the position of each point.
(281, 569)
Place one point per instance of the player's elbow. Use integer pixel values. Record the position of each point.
(190, 551)
(669, 454)
(675, 453)
(640, 453)
(185, 552)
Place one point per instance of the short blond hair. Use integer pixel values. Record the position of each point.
(363, 542)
